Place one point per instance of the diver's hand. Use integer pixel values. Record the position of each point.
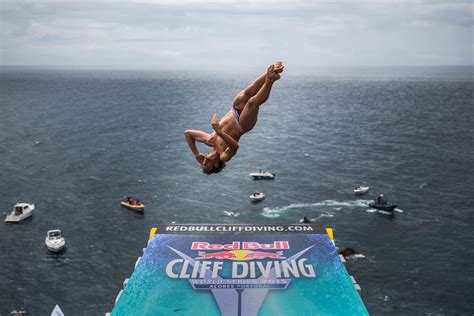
(215, 124)
(199, 158)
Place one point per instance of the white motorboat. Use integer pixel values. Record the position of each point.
(257, 196)
(54, 240)
(20, 212)
(361, 189)
(262, 175)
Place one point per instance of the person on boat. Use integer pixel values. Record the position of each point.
(381, 199)
(241, 119)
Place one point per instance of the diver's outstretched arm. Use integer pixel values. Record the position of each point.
(200, 136)
(194, 135)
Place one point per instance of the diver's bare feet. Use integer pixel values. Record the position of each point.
(278, 67)
(272, 75)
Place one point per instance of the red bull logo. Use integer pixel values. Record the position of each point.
(237, 245)
(240, 255)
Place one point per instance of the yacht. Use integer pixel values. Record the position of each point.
(54, 240)
(262, 175)
(20, 212)
(361, 189)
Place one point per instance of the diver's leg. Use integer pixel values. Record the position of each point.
(243, 96)
(249, 115)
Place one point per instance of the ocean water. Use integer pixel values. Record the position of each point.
(74, 141)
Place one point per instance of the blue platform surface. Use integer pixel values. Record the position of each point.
(235, 270)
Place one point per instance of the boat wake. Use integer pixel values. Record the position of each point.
(321, 216)
(230, 213)
(324, 205)
(356, 256)
(371, 210)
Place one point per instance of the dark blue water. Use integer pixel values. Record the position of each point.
(73, 142)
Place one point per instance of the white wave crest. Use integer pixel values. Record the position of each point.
(321, 216)
(423, 185)
(356, 256)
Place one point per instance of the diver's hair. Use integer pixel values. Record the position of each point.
(217, 169)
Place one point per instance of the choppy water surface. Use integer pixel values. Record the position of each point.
(73, 142)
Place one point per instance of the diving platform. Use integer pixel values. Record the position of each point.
(240, 270)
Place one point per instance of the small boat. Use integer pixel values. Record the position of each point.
(382, 204)
(54, 240)
(361, 189)
(262, 175)
(257, 197)
(383, 207)
(133, 204)
(20, 212)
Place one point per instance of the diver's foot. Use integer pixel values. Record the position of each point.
(276, 77)
(278, 67)
(272, 75)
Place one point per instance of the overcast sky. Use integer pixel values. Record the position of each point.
(233, 34)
